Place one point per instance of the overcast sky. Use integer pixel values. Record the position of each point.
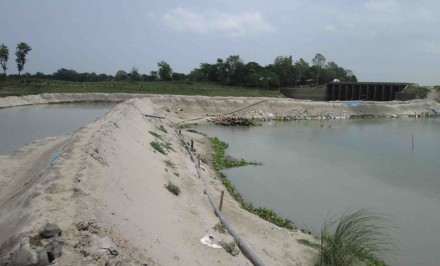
(389, 40)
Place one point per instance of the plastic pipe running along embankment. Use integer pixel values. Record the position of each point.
(247, 251)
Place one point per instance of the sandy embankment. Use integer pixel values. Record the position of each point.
(109, 181)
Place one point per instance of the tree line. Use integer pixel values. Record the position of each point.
(232, 71)
(284, 72)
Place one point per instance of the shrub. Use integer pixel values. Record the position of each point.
(173, 188)
(219, 227)
(170, 164)
(230, 247)
(158, 147)
(161, 128)
(359, 235)
(154, 134)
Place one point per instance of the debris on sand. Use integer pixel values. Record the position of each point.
(231, 121)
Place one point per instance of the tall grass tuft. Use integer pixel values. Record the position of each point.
(357, 236)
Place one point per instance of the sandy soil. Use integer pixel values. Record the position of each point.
(108, 184)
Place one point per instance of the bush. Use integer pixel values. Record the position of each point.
(230, 247)
(173, 188)
(158, 147)
(359, 235)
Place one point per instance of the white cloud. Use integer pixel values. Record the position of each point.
(232, 25)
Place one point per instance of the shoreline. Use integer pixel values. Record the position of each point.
(109, 177)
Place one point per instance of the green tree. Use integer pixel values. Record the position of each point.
(235, 70)
(134, 74)
(4, 56)
(165, 71)
(301, 68)
(121, 75)
(21, 52)
(283, 66)
(318, 62)
(153, 76)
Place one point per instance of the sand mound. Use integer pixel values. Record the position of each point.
(103, 185)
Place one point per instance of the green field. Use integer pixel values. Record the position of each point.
(35, 86)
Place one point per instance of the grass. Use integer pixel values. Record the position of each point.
(357, 235)
(219, 227)
(230, 247)
(308, 243)
(154, 134)
(158, 147)
(421, 92)
(173, 188)
(219, 161)
(29, 86)
(170, 164)
(161, 128)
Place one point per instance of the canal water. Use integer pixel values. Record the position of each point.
(313, 170)
(22, 125)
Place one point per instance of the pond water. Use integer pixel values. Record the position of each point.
(313, 170)
(22, 125)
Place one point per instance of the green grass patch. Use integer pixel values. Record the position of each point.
(219, 161)
(172, 188)
(170, 164)
(308, 243)
(421, 92)
(28, 86)
(219, 227)
(154, 134)
(230, 247)
(158, 147)
(161, 128)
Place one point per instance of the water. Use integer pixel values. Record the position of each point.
(22, 125)
(312, 172)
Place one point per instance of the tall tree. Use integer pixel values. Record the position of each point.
(134, 74)
(318, 62)
(4, 56)
(21, 52)
(301, 68)
(165, 71)
(235, 70)
(283, 66)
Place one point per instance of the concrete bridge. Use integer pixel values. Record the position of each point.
(366, 91)
(352, 91)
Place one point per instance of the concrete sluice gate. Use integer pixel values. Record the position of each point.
(366, 91)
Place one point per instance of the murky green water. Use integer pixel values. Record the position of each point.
(22, 125)
(318, 169)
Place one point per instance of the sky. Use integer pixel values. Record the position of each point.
(379, 40)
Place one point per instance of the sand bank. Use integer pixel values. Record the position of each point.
(107, 185)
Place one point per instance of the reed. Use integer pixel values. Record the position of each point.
(357, 236)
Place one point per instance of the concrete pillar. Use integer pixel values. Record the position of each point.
(347, 88)
(382, 97)
(391, 93)
(375, 93)
(367, 93)
(341, 93)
